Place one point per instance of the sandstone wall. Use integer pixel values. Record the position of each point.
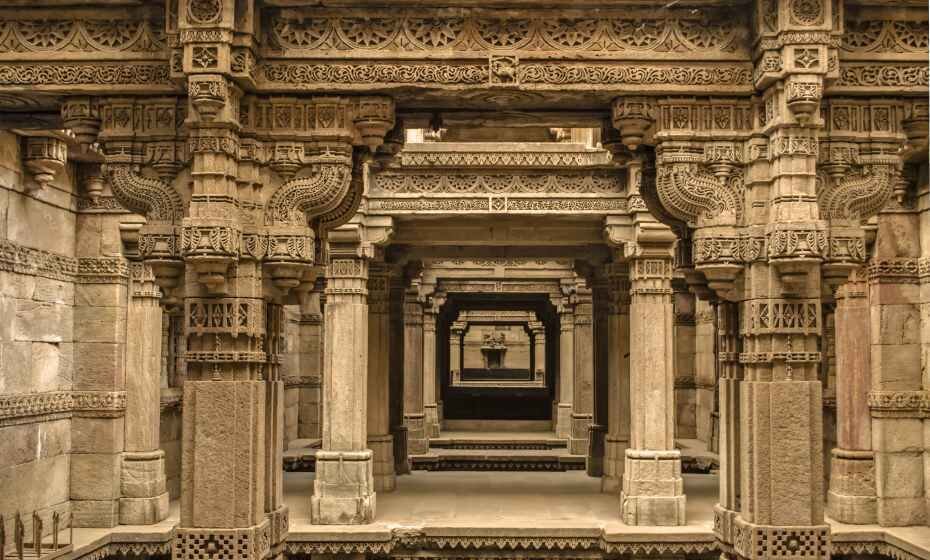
(37, 295)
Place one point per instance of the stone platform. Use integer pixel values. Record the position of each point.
(453, 514)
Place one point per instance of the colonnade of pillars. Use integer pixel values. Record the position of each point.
(367, 435)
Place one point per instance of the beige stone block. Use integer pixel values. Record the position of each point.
(37, 484)
(902, 512)
(895, 324)
(95, 513)
(93, 295)
(143, 511)
(18, 444)
(7, 310)
(889, 294)
(37, 224)
(4, 205)
(895, 367)
(45, 367)
(98, 366)
(142, 477)
(89, 232)
(97, 435)
(53, 291)
(42, 322)
(897, 434)
(54, 438)
(899, 475)
(16, 368)
(99, 324)
(95, 476)
(17, 286)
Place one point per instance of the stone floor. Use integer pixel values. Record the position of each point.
(510, 503)
(505, 499)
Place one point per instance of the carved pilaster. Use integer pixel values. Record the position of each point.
(653, 491)
(379, 436)
(414, 419)
(343, 491)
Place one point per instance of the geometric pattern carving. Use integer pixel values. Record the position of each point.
(782, 317)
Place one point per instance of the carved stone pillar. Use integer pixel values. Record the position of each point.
(143, 494)
(597, 430)
(380, 440)
(728, 345)
(456, 332)
(618, 377)
(653, 492)
(781, 407)
(583, 383)
(396, 359)
(851, 498)
(563, 425)
(309, 349)
(414, 418)
(343, 490)
(538, 333)
(897, 382)
(430, 406)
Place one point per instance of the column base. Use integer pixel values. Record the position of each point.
(653, 490)
(563, 420)
(279, 528)
(248, 543)
(431, 420)
(811, 542)
(614, 459)
(417, 442)
(382, 449)
(343, 490)
(578, 440)
(851, 498)
(143, 489)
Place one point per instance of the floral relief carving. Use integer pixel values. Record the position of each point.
(807, 12)
(885, 36)
(418, 32)
(884, 75)
(204, 11)
(82, 35)
(857, 195)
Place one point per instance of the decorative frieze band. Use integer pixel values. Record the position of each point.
(589, 182)
(36, 407)
(490, 159)
(439, 33)
(36, 262)
(499, 204)
(728, 77)
(146, 74)
(900, 404)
